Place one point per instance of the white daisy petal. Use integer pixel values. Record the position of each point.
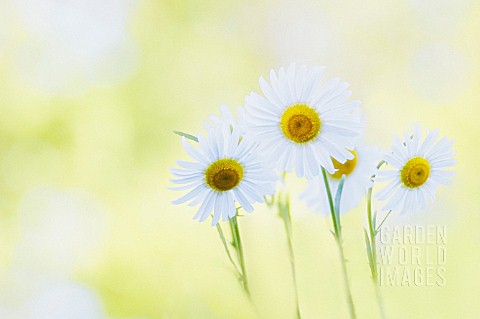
(358, 171)
(396, 199)
(441, 179)
(204, 146)
(440, 147)
(429, 140)
(324, 160)
(390, 159)
(399, 149)
(184, 187)
(324, 91)
(278, 88)
(227, 168)
(311, 83)
(206, 206)
(300, 81)
(412, 147)
(186, 180)
(232, 210)
(185, 173)
(242, 200)
(193, 152)
(291, 160)
(251, 191)
(290, 126)
(218, 208)
(387, 191)
(423, 198)
(311, 162)
(336, 97)
(283, 81)
(208, 212)
(300, 168)
(419, 170)
(387, 174)
(269, 93)
(199, 199)
(190, 165)
(339, 109)
(444, 163)
(429, 189)
(265, 106)
(194, 192)
(291, 82)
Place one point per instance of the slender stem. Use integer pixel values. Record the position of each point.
(351, 306)
(330, 203)
(284, 212)
(339, 240)
(378, 295)
(373, 230)
(292, 264)
(238, 246)
(235, 234)
(373, 242)
(224, 241)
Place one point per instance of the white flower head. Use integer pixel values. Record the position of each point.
(228, 118)
(301, 124)
(418, 170)
(358, 172)
(226, 170)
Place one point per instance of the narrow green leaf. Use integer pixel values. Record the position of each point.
(333, 234)
(186, 135)
(269, 201)
(377, 230)
(369, 249)
(224, 242)
(283, 206)
(338, 197)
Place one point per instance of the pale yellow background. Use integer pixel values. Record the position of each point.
(90, 92)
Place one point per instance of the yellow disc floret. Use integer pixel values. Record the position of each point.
(224, 174)
(345, 168)
(300, 123)
(415, 172)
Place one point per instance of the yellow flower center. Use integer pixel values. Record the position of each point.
(300, 123)
(415, 172)
(224, 174)
(345, 168)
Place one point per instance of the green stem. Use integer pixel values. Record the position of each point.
(372, 243)
(284, 212)
(373, 230)
(372, 235)
(239, 248)
(351, 306)
(378, 295)
(235, 234)
(339, 241)
(330, 203)
(224, 241)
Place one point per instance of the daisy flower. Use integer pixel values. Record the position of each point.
(228, 118)
(418, 169)
(358, 172)
(226, 170)
(301, 124)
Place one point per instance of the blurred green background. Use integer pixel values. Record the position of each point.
(90, 92)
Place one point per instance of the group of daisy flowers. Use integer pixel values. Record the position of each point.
(306, 125)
